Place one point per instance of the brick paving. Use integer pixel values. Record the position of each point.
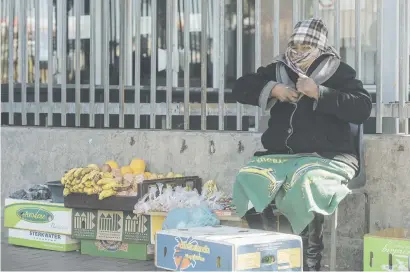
(31, 259)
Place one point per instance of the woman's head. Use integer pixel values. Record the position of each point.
(309, 33)
(307, 42)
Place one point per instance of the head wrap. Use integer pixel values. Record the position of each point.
(311, 32)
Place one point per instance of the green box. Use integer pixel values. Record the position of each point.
(42, 240)
(115, 249)
(387, 250)
(112, 226)
(37, 215)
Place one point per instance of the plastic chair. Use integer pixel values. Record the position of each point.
(356, 185)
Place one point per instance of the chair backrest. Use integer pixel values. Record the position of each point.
(356, 133)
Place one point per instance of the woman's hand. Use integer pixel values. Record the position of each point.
(307, 86)
(284, 93)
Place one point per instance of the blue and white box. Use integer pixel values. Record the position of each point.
(223, 248)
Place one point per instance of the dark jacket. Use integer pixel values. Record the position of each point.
(308, 126)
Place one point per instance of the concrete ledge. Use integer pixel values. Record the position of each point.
(37, 155)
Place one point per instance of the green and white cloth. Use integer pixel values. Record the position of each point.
(301, 185)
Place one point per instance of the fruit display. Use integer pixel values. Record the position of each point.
(110, 179)
(107, 180)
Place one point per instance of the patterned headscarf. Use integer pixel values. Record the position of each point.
(311, 32)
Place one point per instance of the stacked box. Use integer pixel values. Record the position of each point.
(39, 224)
(222, 248)
(387, 250)
(115, 249)
(99, 229)
(42, 240)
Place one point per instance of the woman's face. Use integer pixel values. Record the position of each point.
(302, 48)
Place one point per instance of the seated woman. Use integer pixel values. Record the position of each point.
(312, 97)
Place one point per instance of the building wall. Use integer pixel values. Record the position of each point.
(37, 155)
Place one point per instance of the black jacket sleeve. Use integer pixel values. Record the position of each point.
(255, 88)
(345, 97)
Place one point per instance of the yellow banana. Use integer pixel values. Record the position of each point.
(66, 192)
(78, 172)
(86, 171)
(105, 181)
(63, 180)
(70, 172)
(107, 175)
(94, 166)
(106, 193)
(85, 178)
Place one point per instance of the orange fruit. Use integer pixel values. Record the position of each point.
(137, 166)
(126, 170)
(112, 164)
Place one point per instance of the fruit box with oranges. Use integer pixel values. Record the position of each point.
(37, 215)
(222, 248)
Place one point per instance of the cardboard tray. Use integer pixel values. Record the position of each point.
(113, 203)
(126, 203)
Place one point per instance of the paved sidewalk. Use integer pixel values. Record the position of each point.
(23, 258)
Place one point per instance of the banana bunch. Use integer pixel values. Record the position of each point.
(110, 186)
(92, 180)
(81, 180)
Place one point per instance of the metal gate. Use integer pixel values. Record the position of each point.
(171, 64)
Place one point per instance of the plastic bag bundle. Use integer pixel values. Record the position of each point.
(36, 192)
(182, 218)
(160, 199)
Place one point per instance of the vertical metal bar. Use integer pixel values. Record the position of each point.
(37, 62)
(379, 80)
(77, 62)
(92, 61)
(169, 38)
(50, 64)
(11, 61)
(239, 54)
(258, 48)
(276, 21)
(63, 68)
(106, 71)
(358, 40)
(123, 5)
(23, 56)
(296, 11)
(153, 61)
(407, 53)
(333, 239)
(315, 8)
(137, 86)
(403, 65)
(337, 25)
(204, 60)
(187, 58)
(221, 98)
(302, 10)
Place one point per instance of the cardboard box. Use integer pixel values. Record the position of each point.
(42, 240)
(114, 249)
(115, 226)
(224, 248)
(387, 250)
(37, 215)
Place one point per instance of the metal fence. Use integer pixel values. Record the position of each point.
(171, 64)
